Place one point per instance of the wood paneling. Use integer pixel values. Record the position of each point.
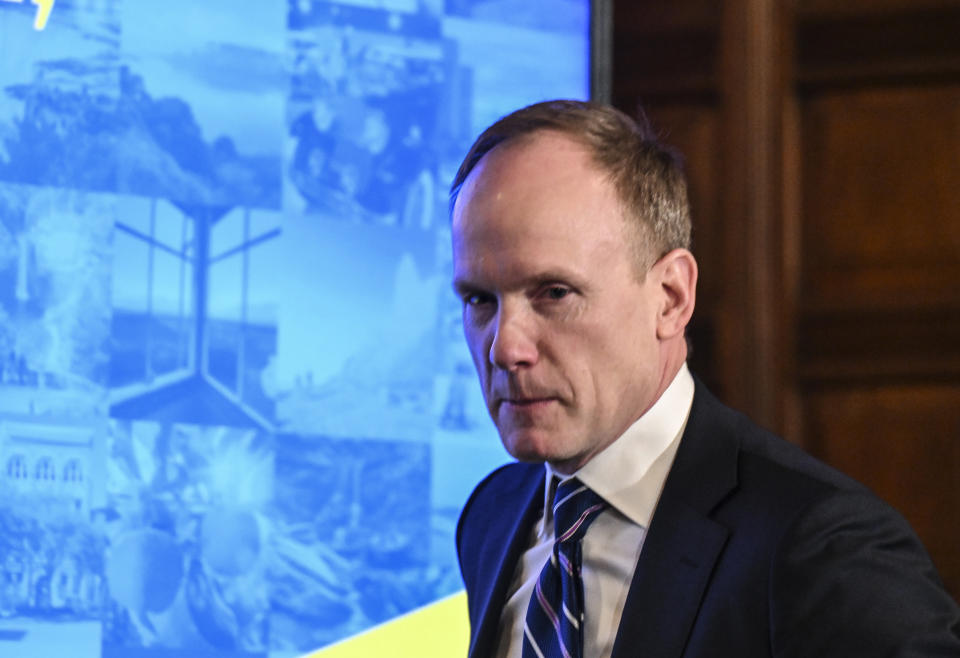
(856, 346)
(877, 317)
(823, 145)
(665, 49)
(881, 209)
(751, 336)
(864, 42)
(862, 9)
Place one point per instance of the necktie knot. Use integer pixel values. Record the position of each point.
(575, 507)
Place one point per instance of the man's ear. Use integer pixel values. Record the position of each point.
(677, 275)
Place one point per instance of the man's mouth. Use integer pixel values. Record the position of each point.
(527, 402)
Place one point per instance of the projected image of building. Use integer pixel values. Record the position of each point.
(193, 324)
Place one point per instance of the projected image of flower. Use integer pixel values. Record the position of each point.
(189, 537)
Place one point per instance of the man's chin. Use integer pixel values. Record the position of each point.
(532, 447)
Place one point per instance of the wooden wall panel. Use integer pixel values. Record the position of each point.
(881, 209)
(871, 42)
(902, 442)
(823, 144)
(877, 313)
(665, 48)
(854, 347)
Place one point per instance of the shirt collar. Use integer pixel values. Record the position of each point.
(630, 472)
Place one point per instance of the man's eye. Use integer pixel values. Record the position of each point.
(476, 299)
(557, 292)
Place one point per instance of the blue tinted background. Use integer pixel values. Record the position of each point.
(236, 414)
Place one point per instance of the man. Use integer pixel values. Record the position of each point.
(695, 532)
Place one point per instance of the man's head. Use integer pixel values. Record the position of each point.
(647, 176)
(574, 302)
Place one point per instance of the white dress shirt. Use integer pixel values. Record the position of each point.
(629, 474)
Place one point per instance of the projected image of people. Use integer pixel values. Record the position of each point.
(364, 111)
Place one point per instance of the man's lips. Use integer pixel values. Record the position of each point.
(526, 403)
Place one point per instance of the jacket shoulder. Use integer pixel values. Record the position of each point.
(501, 491)
(842, 571)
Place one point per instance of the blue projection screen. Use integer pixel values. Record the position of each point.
(236, 414)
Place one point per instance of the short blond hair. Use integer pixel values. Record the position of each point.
(647, 175)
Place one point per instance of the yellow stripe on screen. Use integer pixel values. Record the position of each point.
(441, 629)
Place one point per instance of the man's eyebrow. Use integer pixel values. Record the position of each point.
(461, 286)
(533, 280)
(552, 276)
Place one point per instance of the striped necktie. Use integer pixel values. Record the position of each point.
(553, 627)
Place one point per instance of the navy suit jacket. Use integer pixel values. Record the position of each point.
(755, 549)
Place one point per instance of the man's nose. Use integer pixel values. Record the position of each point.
(514, 342)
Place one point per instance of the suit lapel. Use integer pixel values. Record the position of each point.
(504, 558)
(668, 584)
(683, 542)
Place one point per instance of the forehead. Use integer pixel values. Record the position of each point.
(538, 158)
(539, 199)
(547, 171)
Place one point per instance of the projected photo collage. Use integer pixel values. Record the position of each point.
(237, 417)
